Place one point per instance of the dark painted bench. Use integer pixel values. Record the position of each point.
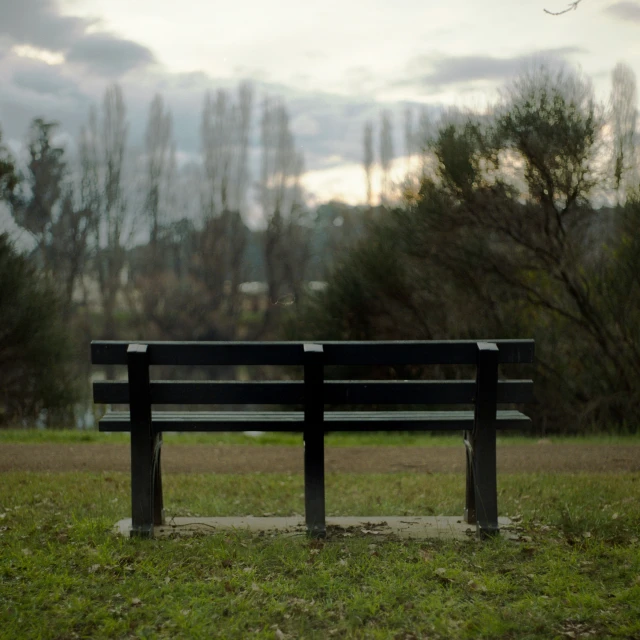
(312, 393)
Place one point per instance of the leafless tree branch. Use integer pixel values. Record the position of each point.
(572, 7)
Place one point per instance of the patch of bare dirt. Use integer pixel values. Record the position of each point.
(180, 458)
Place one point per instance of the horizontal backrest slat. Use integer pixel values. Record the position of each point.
(292, 353)
(335, 392)
(422, 392)
(206, 392)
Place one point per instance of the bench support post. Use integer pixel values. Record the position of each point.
(146, 485)
(482, 449)
(314, 501)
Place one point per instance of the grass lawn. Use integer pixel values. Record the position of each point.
(332, 439)
(574, 574)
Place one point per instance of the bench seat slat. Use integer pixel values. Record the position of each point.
(293, 421)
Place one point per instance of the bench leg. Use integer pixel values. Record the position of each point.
(484, 477)
(158, 502)
(314, 505)
(483, 441)
(142, 484)
(145, 446)
(470, 492)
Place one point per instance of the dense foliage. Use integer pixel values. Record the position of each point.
(35, 351)
(504, 240)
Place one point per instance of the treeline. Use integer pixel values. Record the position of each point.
(85, 213)
(522, 222)
(505, 235)
(130, 245)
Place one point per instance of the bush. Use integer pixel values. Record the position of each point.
(36, 354)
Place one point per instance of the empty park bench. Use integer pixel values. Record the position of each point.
(479, 425)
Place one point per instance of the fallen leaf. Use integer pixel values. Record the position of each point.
(279, 634)
(426, 555)
(441, 571)
(615, 516)
(136, 602)
(26, 552)
(93, 568)
(472, 584)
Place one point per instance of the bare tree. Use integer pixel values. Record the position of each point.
(623, 118)
(572, 7)
(102, 154)
(409, 137)
(160, 170)
(368, 158)
(217, 141)
(70, 246)
(386, 154)
(243, 127)
(225, 139)
(236, 229)
(286, 245)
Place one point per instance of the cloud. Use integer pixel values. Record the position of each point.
(445, 71)
(39, 23)
(625, 11)
(109, 55)
(45, 79)
(326, 126)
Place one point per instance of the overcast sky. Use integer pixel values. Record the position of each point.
(335, 62)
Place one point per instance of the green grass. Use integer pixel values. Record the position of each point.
(64, 574)
(291, 439)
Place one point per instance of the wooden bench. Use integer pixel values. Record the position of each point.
(312, 394)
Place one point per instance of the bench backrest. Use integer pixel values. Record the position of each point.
(313, 359)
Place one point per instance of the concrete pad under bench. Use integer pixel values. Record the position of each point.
(413, 527)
